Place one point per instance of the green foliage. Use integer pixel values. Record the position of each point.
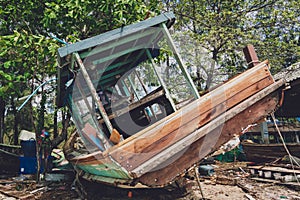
(223, 28)
(277, 33)
(22, 56)
(28, 53)
(86, 18)
(214, 33)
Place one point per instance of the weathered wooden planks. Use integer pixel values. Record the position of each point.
(202, 147)
(154, 139)
(157, 154)
(269, 152)
(94, 164)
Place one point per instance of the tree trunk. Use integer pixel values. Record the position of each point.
(2, 113)
(32, 118)
(16, 121)
(55, 128)
(55, 131)
(64, 132)
(210, 74)
(41, 120)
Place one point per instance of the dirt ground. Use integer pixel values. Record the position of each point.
(229, 181)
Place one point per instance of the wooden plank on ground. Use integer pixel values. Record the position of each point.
(11, 192)
(275, 169)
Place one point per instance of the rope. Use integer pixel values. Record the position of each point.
(59, 40)
(35, 91)
(285, 147)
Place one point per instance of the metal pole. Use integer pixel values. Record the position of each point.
(44, 83)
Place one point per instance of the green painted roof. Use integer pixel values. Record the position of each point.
(112, 35)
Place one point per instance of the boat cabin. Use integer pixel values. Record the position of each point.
(118, 83)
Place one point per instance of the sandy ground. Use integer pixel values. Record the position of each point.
(229, 182)
(261, 191)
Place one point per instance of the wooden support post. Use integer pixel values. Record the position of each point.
(141, 82)
(297, 137)
(264, 132)
(132, 86)
(95, 97)
(126, 89)
(161, 80)
(179, 60)
(252, 60)
(143, 85)
(250, 56)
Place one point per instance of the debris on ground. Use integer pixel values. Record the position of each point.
(220, 181)
(25, 187)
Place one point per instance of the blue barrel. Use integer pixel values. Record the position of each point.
(28, 165)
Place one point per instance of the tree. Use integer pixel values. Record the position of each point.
(30, 58)
(277, 33)
(222, 28)
(82, 19)
(28, 53)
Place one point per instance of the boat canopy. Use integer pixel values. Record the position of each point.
(113, 53)
(96, 80)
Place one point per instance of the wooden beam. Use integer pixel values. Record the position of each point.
(96, 99)
(264, 132)
(250, 56)
(158, 159)
(228, 90)
(133, 87)
(180, 62)
(162, 83)
(145, 90)
(132, 106)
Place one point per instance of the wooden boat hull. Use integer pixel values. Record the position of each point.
(9, 158)
(158, 154)
(262, 153)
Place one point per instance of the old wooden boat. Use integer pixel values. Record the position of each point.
(264, 153)
(9, 158)
(260, 151)
(264, 144)
(124, 137)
